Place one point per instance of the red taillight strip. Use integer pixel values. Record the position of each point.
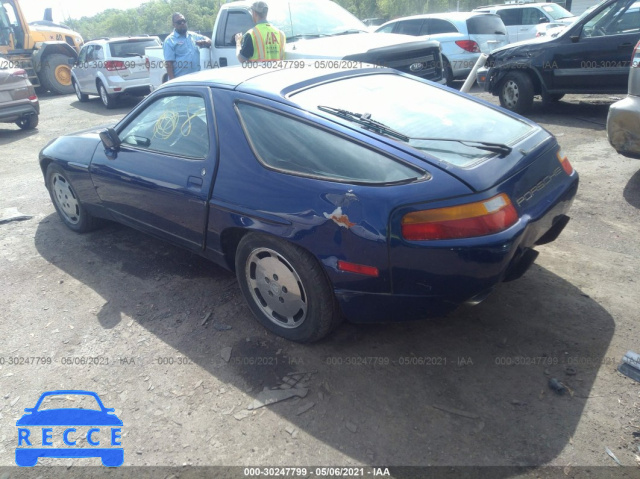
(464, 221)
(468, 45)
(113, 65)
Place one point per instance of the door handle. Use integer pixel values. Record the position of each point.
(194, 182)
(625, 45)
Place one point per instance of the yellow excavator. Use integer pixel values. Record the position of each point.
(46, 50)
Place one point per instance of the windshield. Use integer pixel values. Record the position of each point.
(556, 11)
(418, 110)
(312, 18)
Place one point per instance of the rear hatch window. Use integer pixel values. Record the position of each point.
(444, 127)
(128, 56)
(488, 31)
(486, 25)
(419, 110)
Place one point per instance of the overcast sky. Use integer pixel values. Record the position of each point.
(62, 10)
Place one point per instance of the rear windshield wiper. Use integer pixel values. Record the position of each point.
(365, 120)
(500, 148)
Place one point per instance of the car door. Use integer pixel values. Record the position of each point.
(596, 56)
(160, 177)
(231, 22)
(81, 70)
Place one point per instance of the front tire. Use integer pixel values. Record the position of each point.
(109, 101)
(286, 288)
(55, 74)
(81, 96)
(516, 92)
(66, 201)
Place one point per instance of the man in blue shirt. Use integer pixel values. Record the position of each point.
(181, 53)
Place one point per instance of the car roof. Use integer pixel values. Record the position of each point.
(448, 16)
(513, 5)
(119, 39)
(274, 83)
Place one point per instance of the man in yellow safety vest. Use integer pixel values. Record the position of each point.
(264, 42)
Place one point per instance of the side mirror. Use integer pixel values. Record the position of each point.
(543, 20)
(110, 139)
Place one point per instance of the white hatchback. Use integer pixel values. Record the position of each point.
(463, 36)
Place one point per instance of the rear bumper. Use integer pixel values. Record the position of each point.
(623, 127)
(138, 87)
(436, 281)
(14, 113)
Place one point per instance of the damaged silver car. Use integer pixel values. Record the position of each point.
(623, 121)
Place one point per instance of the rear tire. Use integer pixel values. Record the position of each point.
(66, 201)
(286, 288)
(28, 122)
(109, 101)
(55, 74)
(516, 92)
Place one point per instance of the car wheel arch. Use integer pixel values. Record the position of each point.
(230, 239)
(532, 73)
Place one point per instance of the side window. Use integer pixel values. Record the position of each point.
(409, 27)
(237, 22)
(90, 56)
(510, 16)
(294, 146)
(436, 25)
(387, 28)
(614, 20)
(172, 124)
(628, 22)
(531, 16)
(83, 55)
(98, 53)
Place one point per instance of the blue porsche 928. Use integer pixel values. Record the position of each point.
(358, 193)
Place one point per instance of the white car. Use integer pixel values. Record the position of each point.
(521, 19)
(112, 67)
(463, 36)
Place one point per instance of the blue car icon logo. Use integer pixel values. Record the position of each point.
(69, 432)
